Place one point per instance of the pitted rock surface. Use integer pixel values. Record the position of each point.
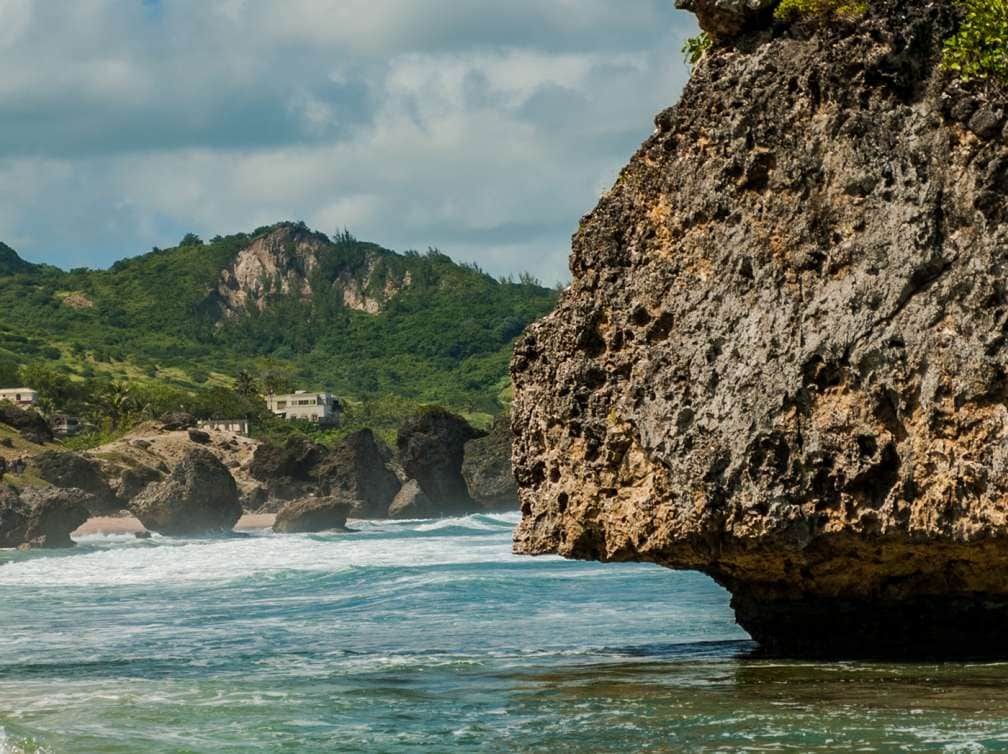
(782, 360)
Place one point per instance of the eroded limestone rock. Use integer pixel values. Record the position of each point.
(782, 360)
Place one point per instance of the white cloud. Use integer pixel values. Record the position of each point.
(484, 129)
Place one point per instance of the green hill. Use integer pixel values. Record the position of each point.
(283, 303)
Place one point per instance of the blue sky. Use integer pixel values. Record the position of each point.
(485, 129)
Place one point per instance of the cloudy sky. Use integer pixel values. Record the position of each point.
(483, 128)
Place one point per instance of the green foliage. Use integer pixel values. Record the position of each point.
(979, 50)
(695, 48)
(445, 338)
(788, 10)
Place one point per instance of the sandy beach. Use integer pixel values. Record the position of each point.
(130, 525)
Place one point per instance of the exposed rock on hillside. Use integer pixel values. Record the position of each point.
(313, 514)
(199, 497)
(487, 468)
(782, 358)
(431, 447)
(27, 422)
(291, 261)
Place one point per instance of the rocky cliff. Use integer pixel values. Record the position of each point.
(782, 359)
(292, 261)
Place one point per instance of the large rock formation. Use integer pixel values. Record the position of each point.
(486, 468)
(40, 518)
(75, 471)
(782, 360)
(30, 425)
(356, 469)
(198, 497)
(431, 449)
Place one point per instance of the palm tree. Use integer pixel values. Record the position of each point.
(117, 401)
(245, 385)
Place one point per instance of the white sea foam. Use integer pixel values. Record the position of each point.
(111, 561)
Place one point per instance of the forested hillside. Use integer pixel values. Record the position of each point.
(289, 306)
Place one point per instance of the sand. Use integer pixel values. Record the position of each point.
(130, 525)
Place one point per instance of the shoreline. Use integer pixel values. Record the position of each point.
(131, 525)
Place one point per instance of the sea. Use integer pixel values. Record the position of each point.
(429, 636)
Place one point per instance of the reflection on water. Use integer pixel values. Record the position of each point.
(429, 636)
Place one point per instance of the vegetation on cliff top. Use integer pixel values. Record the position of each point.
(979, 50)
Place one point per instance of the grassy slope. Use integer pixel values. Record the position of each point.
(446, 338)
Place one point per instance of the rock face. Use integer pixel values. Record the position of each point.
(199, 497)
(487, 468)
(411, 502)
(313, 514)
(44, 518)
(782, 360)
(356, 469)
(74, 471)
(431, 448)
(288, 470)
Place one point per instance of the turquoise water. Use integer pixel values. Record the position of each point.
(428, 636)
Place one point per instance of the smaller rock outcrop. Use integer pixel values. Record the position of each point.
(486, 468)
(313, 514)
(356, 470)
(74, 471)
(431, 449)
(411, 502)
(29, 424)
(199, 497)
(13, 518)
(177, 421)
(134, 480)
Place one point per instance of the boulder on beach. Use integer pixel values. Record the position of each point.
(431, 449)
(411, 502)
(42, 518)
(198, 497)
(487, 468)
(288, 470)
(356, 470)
(75, 471)
(313, 514)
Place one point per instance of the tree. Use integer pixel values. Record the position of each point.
(191, 239)
(246, 385)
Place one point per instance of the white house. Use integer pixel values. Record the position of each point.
(314, 407)
(19, 396)
(238, 426)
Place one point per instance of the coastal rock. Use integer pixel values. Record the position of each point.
(132, 481)
(289, 470)
(177, 421)
(198, 497)
(782, 357)
(29, 424)
(486, 468)
(431, 449)
(355, 469)
(75, 471)
(411, 502)
(313, 514)
(54, 513)
(13, 518)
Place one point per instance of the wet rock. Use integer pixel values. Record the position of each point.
(796, 388)
(313, 514)
(198, 497)
(487, 468)
(431, 449)
(411, 502)
(355, 469)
